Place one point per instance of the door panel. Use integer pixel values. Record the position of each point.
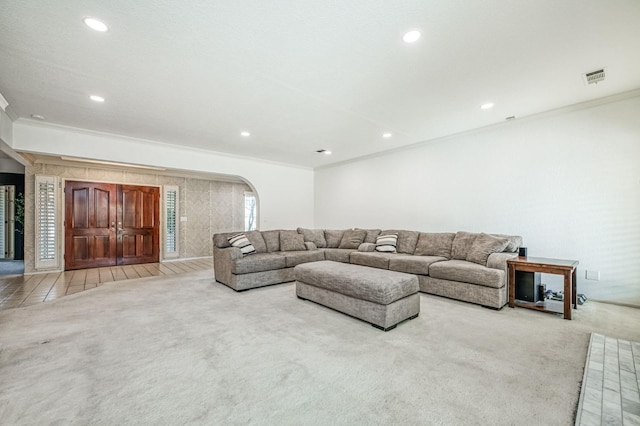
(140, 224)
(92, 238)
(90, 217)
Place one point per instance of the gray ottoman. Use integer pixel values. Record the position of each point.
(381, 297)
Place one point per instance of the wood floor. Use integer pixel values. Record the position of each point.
(25, 290)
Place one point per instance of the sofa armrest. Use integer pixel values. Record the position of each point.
(223, 262)
(310, 245)
(499, 260)
(366, 247)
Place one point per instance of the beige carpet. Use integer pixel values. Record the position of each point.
(185, 349)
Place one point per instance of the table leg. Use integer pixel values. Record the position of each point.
(575, 289)
(568, 294)
(512, 286)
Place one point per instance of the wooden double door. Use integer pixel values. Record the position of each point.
(108, 224)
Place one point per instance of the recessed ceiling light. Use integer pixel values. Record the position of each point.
(96, 98)
(245, 134)
(387, 135)
(324, 151)
(411, 36)
(37, 116)
(488, 105)
(95, 24)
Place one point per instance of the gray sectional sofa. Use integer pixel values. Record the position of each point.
(471, 267)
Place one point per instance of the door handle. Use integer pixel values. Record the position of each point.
(113, 226)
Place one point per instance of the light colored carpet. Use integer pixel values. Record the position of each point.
(184, 349)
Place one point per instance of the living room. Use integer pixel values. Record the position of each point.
(554, 160)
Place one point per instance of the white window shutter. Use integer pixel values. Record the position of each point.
(46, 222)
(171, 221)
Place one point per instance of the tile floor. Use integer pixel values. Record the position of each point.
(611, 388)
(25, 290)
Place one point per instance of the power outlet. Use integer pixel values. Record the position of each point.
(592, 275)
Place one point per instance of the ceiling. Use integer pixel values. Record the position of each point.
(307, 75)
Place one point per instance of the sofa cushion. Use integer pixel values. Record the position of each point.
(257, 241)
(411, 264)
(372, 234)
(468, 272)
(258, 262)
(515, 241)
(293, 258)
(387, 243)
(242, 242)
(435, 244)
(291, 241)
(372, 259)
(461, 244)
(483, 246)
(407, 240)
(352, 238)
(337, 254)
(272, 240)
(333, 237)
(315, 236)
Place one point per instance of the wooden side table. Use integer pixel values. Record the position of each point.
(567, 268)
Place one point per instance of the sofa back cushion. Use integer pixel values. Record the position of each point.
(333, 237)
(255, 237)
(461, 244)
(435, 244)
(515, 241)
(315, 236)
(272, 240)
(407, 240)
(291, 241)
(483, 246)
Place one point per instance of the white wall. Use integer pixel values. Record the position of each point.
(285, 192)
(568, 182)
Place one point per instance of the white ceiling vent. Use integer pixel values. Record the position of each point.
(594, 77)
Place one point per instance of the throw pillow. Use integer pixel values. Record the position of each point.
(291, 241)
(435, 244)
(352, 238)
(242, 242)
(483, 246)
(315, 236)
(372, 234)
(257, 241)
(387, 243)
(461, 245)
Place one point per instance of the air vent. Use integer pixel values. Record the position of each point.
(594, 77)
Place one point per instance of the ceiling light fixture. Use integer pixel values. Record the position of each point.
(96, 98)
(488, 105)
(324, 151)
(411, 36)
(387, 135)
(96, 24)
(37, 116)
(245, 134)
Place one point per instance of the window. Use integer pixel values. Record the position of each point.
(250, 211)
(171, 221)
(46, 222)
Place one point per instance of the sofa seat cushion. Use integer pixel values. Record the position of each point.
(381, 287)
(337, 254)
(373, 259)
(258, 262)
(468, 272)
(410, 264)
(293, 258)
